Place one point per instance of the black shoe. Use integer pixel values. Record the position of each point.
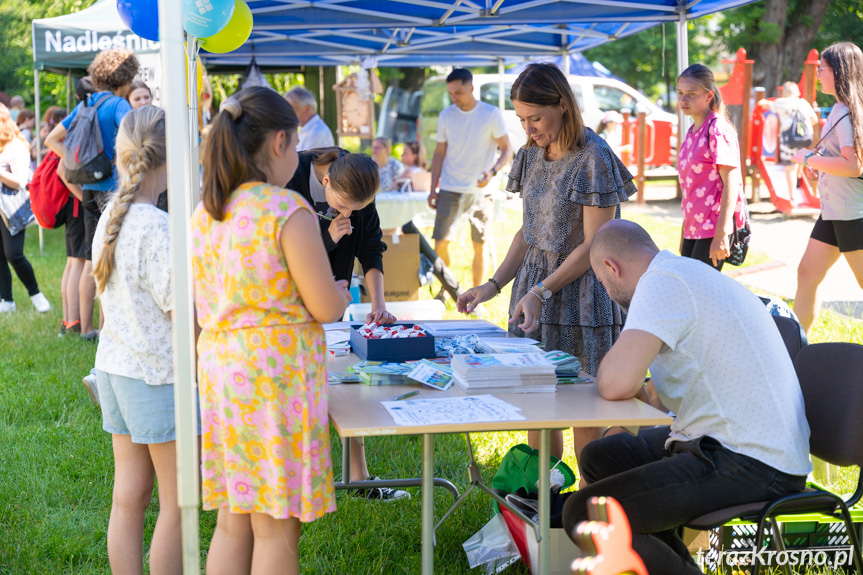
(380, 493)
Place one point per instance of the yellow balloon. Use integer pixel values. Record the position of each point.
(233, 35)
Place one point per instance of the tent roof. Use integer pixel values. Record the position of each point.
(73, 40)
(427, 32)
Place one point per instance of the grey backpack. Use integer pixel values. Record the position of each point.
(84, 154)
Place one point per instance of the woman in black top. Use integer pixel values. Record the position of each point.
(341, 188)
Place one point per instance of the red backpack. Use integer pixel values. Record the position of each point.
(48, 193)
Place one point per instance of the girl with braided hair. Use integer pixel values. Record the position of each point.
(134, 360)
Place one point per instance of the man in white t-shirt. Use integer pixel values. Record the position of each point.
(314, 132)
(468, 133)
(719, 364)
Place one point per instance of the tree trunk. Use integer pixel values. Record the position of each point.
(779, 57)
(804, 23)
(768, 54)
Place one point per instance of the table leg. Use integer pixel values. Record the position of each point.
(346, 460)
(428, 505)
(544, 501)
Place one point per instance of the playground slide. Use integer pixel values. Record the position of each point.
(798, 202)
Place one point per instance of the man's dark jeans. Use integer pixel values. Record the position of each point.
(661, 489)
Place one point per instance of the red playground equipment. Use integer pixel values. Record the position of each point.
(801, 201)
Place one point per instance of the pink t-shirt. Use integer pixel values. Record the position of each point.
(698, 169)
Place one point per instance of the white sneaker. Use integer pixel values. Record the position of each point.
(40, 302)
(6, 306)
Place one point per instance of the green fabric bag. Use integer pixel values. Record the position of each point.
(520, 468)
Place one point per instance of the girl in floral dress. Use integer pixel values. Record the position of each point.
(262, 287)
(709, 171)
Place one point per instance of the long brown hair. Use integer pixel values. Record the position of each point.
(238, 133)
(420, 151)
(543, 84)
(846, 59)
(140, 148)
(703, 76)
(354, 176)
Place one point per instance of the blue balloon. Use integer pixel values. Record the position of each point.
(141, 17)
(205, 18)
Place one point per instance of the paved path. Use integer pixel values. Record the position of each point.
(784, 241)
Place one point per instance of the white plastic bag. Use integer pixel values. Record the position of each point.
(492, 547)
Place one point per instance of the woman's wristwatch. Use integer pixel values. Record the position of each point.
(543, 292)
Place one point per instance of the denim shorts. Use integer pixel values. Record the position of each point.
(131, 407)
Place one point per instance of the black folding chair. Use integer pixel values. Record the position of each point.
(831, 378)
(792, 334)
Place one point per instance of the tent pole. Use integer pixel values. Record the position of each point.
(36, 96)
(682, 64)
(501, 99)
(175, 104)
(68, 90)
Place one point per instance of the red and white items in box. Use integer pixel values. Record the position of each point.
(374, 331)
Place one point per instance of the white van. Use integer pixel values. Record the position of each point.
(595, 97)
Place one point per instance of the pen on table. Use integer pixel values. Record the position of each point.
(405, 395)
(329, 219)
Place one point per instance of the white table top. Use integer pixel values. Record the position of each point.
(355, 409)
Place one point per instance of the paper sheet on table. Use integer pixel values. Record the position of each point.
(339, 325)
(448, 410)
(337, 336)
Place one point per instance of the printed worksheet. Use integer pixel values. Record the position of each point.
(449, 410)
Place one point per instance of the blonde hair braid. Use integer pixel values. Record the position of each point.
(140, 148)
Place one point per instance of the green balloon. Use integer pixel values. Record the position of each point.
(233, 35)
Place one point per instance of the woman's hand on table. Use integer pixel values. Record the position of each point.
(469, 300)
(380, 316)
(531, 308)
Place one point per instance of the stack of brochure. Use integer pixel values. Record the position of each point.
(505, 373)
(507, 345)
(565, 365)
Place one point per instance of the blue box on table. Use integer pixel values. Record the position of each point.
(393, 349)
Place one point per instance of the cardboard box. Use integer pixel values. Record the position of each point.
(401, 268)
(396, 350)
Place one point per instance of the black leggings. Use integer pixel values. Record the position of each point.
(699, 250)
(13, 253)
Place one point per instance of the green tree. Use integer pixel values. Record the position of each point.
(16, 48)
(778, 34)
(648, 60)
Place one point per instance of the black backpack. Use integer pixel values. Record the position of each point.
(799, 134)
(84, 154)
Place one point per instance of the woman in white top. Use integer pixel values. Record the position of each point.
(14, 168)
(790, 108)
(839, 160)
(134, 360)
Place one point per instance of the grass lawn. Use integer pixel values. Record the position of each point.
(56, 463)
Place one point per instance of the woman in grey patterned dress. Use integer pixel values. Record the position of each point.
(571, 183)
